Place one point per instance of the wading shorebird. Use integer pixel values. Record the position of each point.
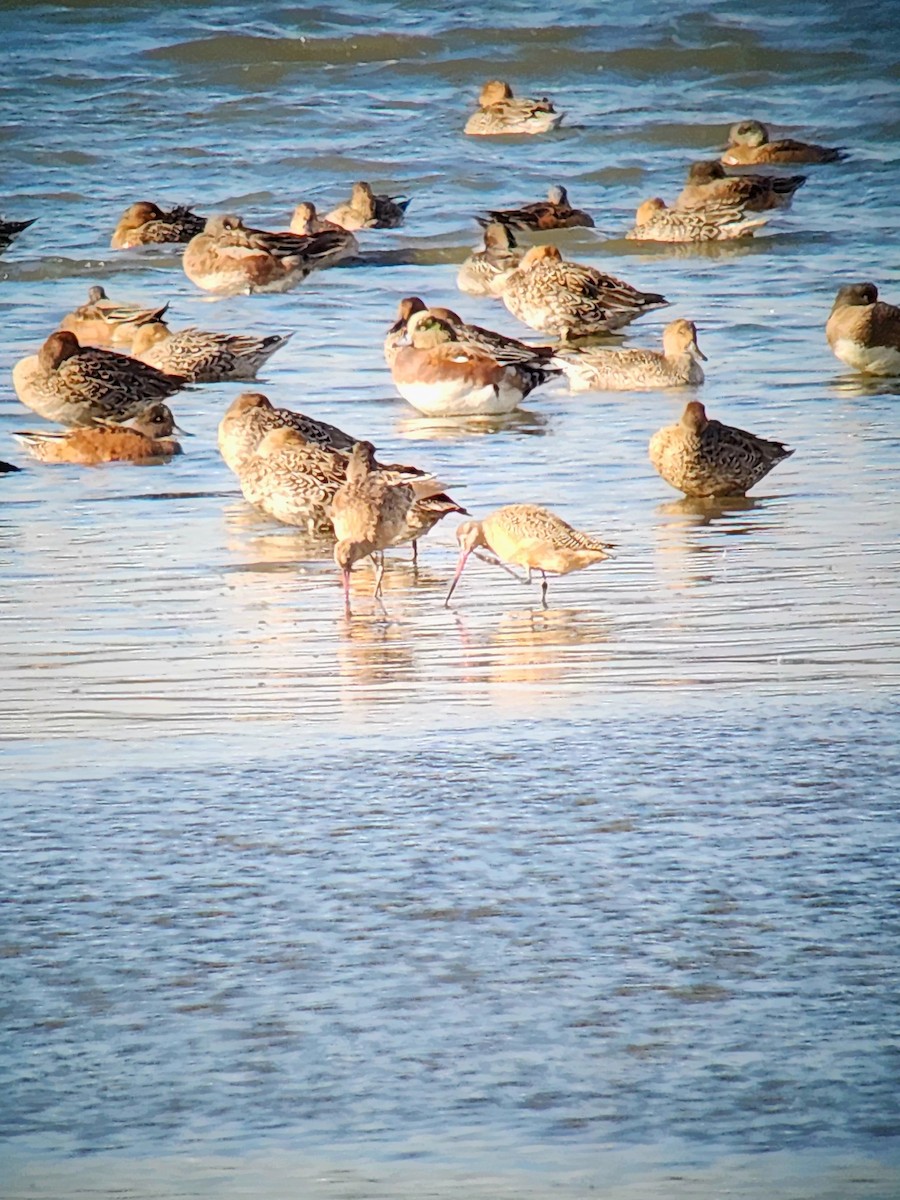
(75, 385)
(701, 457)
(145, 438)
(371, 512)
(531, 537)
(863, 331)
(145, 224)
(553, 213)
(230, 258)
(569, 299)
(638, 370)
(748, 143)
(707, 183)
(202, 357)
(104, 322)
(499, 112)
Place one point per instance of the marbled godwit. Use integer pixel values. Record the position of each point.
(145, 224)
(708, 183)
(863, 331)
(718, 222)
(705, 458)
(229, 257)
(748, 143)
(144, 438)
(370, 512)
(531, 537)
(104, 322)
(365, 210)
(570, 299)
(483, 268)
(202, 357)
(553, 213)
(77, 385)
(499, 112)
(638, 370)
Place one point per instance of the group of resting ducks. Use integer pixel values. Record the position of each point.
(109, 370)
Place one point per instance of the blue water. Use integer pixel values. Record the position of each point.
(490, 902)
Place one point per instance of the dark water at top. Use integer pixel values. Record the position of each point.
(490, 902)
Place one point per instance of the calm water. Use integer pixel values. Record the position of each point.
(492, 902)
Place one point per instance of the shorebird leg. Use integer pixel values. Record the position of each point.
(379, 574)
(544, 590)
(346, 574)
(415, 547)
(495, 562)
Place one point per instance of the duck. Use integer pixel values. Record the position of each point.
(306, 220)
(863, 331)
(201, 357)
(105, 322)
(145, 224)
(252, 415)
(10, 230)
(485, 267)
(365, 210)
(749, 143)
(82, 385)
(146, 437)
(708, 183)
(475, 337)
(499, 113)
(638, 370)
(553, 213)
(442, 377)
(230, 258)
(702, 457)
(717, 222)
(529, 536)
(569, 299)
(294, 480)
(370, 512)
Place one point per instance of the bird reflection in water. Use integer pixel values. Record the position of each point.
(682, 551)
(452, 429)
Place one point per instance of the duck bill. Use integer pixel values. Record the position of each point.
(697, 353)
(463, 558)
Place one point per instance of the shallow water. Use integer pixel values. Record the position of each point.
(490, 901)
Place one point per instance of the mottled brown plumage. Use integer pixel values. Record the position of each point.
(500, 113)
(105, 322)
(531, 537)
(145, 438)
(365, 210)
(553, 213)
(485, 268)
(707, 183)
(701, 457)
(717, 222)
(76, 385)
(230, 258)
(570, 299)
(203, 357)
(145, 223)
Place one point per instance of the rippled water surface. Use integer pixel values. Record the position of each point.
(487, 902)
